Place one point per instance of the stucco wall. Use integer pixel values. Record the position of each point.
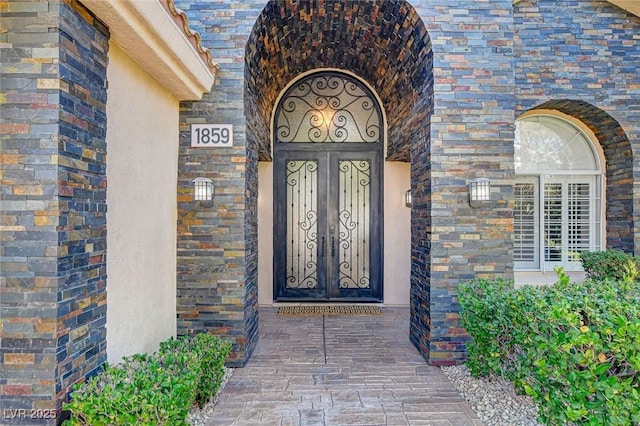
(397, 234)
(142, 137)
(265, 233)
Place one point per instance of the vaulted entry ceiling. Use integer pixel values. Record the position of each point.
(383, 42)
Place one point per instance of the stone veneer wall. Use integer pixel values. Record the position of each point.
(453, 131)
(469, 135)
(217, 246)
(53, 125)
(584, 62)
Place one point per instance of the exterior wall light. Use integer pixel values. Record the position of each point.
(203, 191)
(479, 191)
(407, 198)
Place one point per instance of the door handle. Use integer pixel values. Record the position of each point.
(323, 247)
(332, 232)
(333, 246)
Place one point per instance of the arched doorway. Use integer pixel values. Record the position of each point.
(328, 140)
(385, 44)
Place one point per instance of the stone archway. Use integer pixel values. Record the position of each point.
(622, 222)
(450, 130)
(384, 43)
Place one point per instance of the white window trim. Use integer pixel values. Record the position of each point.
(598, 198)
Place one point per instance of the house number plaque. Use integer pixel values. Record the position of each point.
(211, 135)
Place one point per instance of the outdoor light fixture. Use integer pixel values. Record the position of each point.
(407, 198)
(479, 191)
(203, 191)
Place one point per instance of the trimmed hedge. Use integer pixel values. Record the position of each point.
(153, 389)
(575, 348)
(610, 264)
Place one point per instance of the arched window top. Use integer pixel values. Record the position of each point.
(548, 144)
(328, 107)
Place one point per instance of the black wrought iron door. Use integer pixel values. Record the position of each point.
(328, 238)
(327, 191)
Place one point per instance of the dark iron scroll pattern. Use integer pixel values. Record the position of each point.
(328, 108)
(355, 221)
(302, 224)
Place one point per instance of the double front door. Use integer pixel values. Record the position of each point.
(328, 228)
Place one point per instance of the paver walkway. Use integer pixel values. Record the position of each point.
(339, 370)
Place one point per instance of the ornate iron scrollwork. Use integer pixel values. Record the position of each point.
(328, 108)
(302, 223)
(354, 218)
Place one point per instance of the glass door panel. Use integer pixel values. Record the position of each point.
(327, 242)
(354, 206)
(302, 224)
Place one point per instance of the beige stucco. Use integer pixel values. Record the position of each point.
(149, 35)
(632, 6)
(397, 234)
(142, 141)
(265, 233)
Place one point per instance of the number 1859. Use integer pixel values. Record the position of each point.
(211, 135)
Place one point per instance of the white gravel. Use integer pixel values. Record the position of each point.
(200, 416)
(494, 400)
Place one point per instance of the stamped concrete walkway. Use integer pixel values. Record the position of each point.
(339, 370)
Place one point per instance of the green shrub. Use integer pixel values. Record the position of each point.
(210, 365)
(153, 389)
(610, 264)
(573, 347)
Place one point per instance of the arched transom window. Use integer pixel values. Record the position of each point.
(558, 211)
(328, 108)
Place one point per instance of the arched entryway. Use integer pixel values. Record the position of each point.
(441, 134)
(328, 207)
(383, 44)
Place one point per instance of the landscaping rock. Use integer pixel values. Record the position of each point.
(494, 400)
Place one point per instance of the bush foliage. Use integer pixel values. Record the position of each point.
(575, 348)
(610, 264)
(153, 389)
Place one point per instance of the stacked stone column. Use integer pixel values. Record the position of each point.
(53, 123)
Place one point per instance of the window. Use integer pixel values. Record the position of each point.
(557, 212)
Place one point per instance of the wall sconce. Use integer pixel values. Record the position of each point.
(479, 191)
(407, 198)
(203, 191)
